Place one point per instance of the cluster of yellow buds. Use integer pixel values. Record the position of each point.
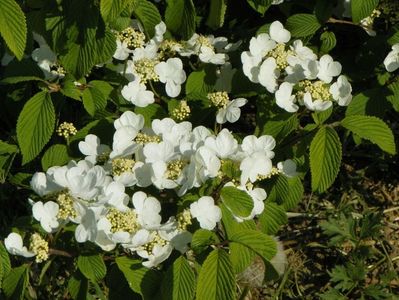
(145, 69)
(219, 99)
(174, 169)
(123, 221)
(143, 138)
(122, 165)
(181, 112)
(66, 130)
(318, 89)
(168, 48)
(184, 220)
(39, 246)
(280, 55)
(66, 209)
(204, 41)
(157, 240)
(272, 173)
(132, 38)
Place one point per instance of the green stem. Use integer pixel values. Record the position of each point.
(99, 292)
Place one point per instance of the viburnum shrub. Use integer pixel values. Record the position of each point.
(149, 176)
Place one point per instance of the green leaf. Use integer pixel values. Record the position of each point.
(238, 201)
(179, 281)
(217, 11)
(180, 17)
(272, 217)
(362, 9)
(285, 191)
(141, 279)
(369, 102)
(320, 117)
(280, 126)
(216, 278)
(6, 148)
(231, 225)
(240, 256)
(78, 286)
(16, 282)
(325, 158)
(328, 42)
(17, 79)
(261, 6)
(148, 15)
(301, 25)
(35, 125)
(202, 238)
(262, 244)
(111, 9)
(118, 286)
(13, 27)
(394, 95)
(372, 129)
(95, 96)
(92, 267)
(200, 83)
(5, 265)
(56, 155)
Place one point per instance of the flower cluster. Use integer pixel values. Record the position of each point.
(294, 73)
(103, 194)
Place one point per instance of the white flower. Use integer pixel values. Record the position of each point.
(224, 144)
(163, 151)
(231, 112)
(14, 245)
(287, 167)
(268, 74)
(87, 229)
(42, 184)
(285, 99)
(391, 62)
(122, 51)
(158, 254)
(129, 118)
(147, 209)
(317, 104)
(46, 214)
(341, 91)
(279, 33)
(208, 55)
(328, 68)
(261, 45)
(172, 74)
(45, 59)
(252, 166)
(115, 196)
(251, 65)
(206, 212)
(137, 93)
(264, 144)
(123, 142)
(92, 148)
(160, 30)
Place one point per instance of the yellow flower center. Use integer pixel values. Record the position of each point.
(145, 69)
(122, 165)
(181, 112)
(39, 246)
(219, 99)
(132, 38)
(66, 209)
(66, 129)
(183, 220)
(280, 55)
(123, 221)
(174, 169)
(319, 90)
(143, 138)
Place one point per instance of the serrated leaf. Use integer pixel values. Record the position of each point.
(92, 267)
(394, 95)
(231, 225)
(320, 117)
(217, 11)
(13, 27)
(95, 96)
(15, 283)
(272, 217)
(328, 42)
(200, 83)
(238, 201)
(325, 158)
(369, 102)
(78, 286)
(5, 265)
(111, 9)
(372, 129)
(286, 191)
(301, 25)
(202, 238)
(216, 278)
(362, 9)
(141, 280)
(148, 15)
(261, 6)
(35, 125)
(56, 155)
(240, 256)
(179, 281)
(180, 17)
(264, 245)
